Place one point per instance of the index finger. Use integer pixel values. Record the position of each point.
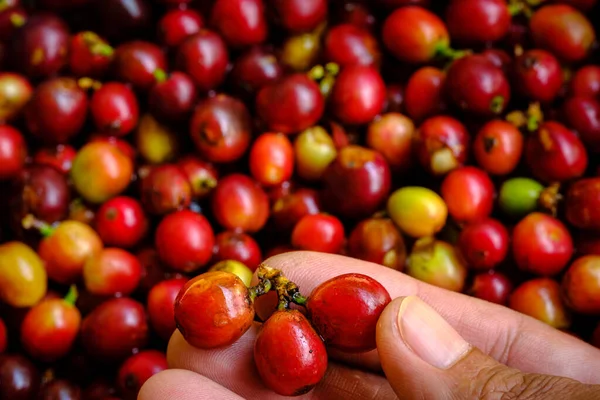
(511, 338)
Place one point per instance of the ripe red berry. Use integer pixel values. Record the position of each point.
(240, 22)
(137, 369)
(161, 302)
(345, 310)
(237, 246)
(112, 271)
(213, 310)
(121, 222)
(484, 244)
(114, 109)
(498, 147)
(271, 159)
(319, 232)
(13, 152)
(469, 194)
(289, 355)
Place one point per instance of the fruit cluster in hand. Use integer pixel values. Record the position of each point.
(145, 142)
(216, 308)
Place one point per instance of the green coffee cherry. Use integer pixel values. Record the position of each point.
(520, 196)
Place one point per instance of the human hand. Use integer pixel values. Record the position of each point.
(470, 350)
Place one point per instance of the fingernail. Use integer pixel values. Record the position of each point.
(428, 335)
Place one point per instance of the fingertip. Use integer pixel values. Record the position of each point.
(183, 385)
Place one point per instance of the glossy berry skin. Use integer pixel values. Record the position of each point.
(115, 329)
(121, 222)
(13, 152)
(60, 157)
(541, 244)
(519, 196)
(392, 135)
(498, 147)
(538, 75)
(213, 310)
(201, 175)
(555, 154)
(491, 286)
(423, 94)
(3, 337)
(136, 62)
(17, 91)
(474, 84)
(160, 303)
(356, 183)
(305, 362)
(291, 104)
(437, 263)
(484, 244)
(40, 47)
(583, 115)
(240, 22)
(300, 15)
(314, 150)
(19, 376)
(123, 19)
(414, 35)
(204, 57)
(114, 109)
(477, 21)
(221, 129)
(345, 309)
(66, 250)
(238, 202)
(165, 189)
(23, 279)
(358, 95)
(237, 246)
(417, 211)
(469, 194)
(348, 44)
(580, 287)
(137, 369)
(101, 171)
(174, 98)
(441, 144)
(49, 329)
(287, 210)
(178, 24)
(89, 55)
(541, 299)
(255, 68)
(271, 159)
(112, 271)
(57, 110)
(586, 82)
(184, 241)
(318, 232)
(377, 240)
(562, 30)
(583, 204)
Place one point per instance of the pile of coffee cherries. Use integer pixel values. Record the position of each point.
(146, 142)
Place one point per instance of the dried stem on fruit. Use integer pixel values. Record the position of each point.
(287, 291)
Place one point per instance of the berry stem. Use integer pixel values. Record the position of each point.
(287, 291)
(160, 75)
(71, 296)
(31, 222)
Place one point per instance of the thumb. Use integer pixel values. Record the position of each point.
(423, 357)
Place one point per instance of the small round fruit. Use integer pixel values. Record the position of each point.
(498, 147)
(581, 285)
(184, 240)
(300, 15)
(319, 232)
(19, 376)
(201, 175)
(161, 303)
(423, 94)
(3, 336)
(538, 75)
(137, 61)
(13, 152)
(204, 57)
(417, 211)
(121, 222)
(491, 286)
(114, 109)
(314, 150)
(469, 194)
(583, 204)
(89, 55)
(66, 250)
(292, 207)
(60, 157)
(377, 240)
(348, 44)
(237, 246)
(173, 98)
(541, 299)
(541, 244)
(23, 280)
(484, 244)
(583, 115)
(519, 196)
(271, 159)
(392, 135)
(176, 25)
(156, 142)
(101, 171)
(438, 263)
(586, 82)
(115, 329)
(214, 310)
(16, 91)
(478, 21)
(305, 362)
(345, 310)
(236, 268)
(165, 189)
(112, 271)
(240, 22)
(238, 202)
(137, 369)
(49, 329)
(415, 35)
